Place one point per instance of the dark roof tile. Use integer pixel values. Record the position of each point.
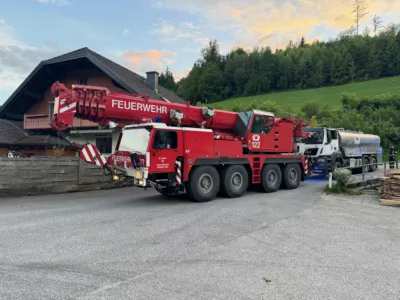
(11, 131)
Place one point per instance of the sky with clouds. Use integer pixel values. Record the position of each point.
(148, 35)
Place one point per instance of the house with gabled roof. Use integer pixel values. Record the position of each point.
(31, 104)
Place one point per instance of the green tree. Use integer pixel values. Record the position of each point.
(166, 79)
(347, 58)
(210, 83)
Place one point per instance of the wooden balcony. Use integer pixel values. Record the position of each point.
(33, 122)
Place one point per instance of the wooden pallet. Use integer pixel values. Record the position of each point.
(390, 188)
(389, 202)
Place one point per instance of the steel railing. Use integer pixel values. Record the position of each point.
(381, 170)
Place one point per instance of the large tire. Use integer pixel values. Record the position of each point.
(234, 181)
(374, 164)
(337, 165)
(204, 183)
(271, 178)
(291, 176)
(366, 164)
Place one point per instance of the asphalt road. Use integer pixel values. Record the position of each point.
(134, 244)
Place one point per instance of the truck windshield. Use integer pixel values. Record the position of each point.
(135, 140)
(317, 136)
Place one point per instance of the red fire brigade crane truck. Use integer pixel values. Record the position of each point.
(179, 148)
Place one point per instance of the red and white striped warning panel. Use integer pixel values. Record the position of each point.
(306, 165)
(178, 172)
(64, 106)
(92, 155)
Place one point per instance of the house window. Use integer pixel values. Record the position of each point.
(104, 144)
(83, 81)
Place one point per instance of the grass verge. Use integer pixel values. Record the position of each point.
(330, 96)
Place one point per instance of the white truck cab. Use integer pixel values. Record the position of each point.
(330, 148)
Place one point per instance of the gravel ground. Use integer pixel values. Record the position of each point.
(135, 244)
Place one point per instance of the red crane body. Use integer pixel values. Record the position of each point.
(100, 105)
(175, 147)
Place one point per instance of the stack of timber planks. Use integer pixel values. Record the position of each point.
(390, 188)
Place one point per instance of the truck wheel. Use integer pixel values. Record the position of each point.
(235, 181)
(204, 183)
(374, 164)
(271, 178)
(291, 176)
(366, 165)
(337, 165)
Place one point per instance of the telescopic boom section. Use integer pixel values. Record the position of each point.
(99, 105)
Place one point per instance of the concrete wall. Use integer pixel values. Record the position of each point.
(30, 176)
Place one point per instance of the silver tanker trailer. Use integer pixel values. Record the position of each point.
(331, 148)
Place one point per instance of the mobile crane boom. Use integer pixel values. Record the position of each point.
(99, 105)
(178, 147)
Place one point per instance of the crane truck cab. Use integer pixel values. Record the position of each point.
(328, 149)
(168, 157)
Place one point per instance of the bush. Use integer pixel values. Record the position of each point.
(342, 177)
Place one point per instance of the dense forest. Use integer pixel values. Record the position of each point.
(347, 58)
(350, 57)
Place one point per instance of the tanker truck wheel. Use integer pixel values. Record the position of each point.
(204, 183)
(374, 164)
(366, 165)
(291, 176)
(337, 165)
(235, 181)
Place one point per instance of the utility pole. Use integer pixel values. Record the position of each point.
(360, 11)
